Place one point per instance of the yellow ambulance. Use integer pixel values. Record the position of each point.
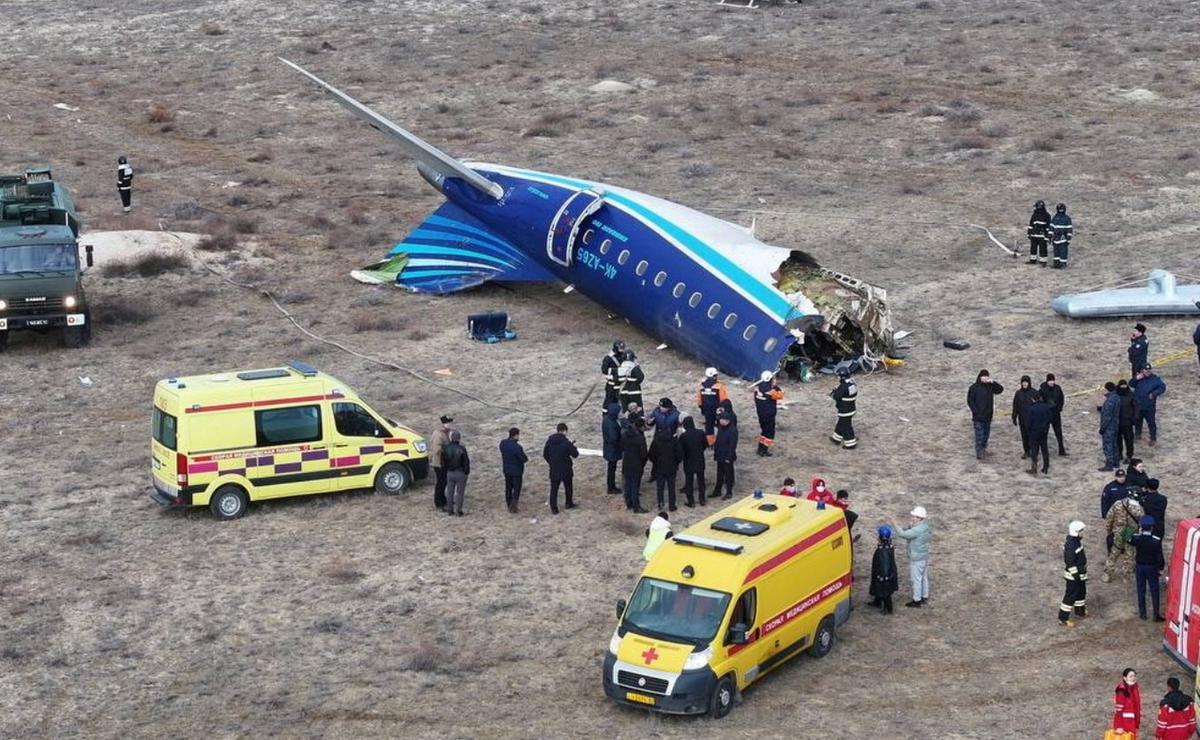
(727, 600)
(224, 440)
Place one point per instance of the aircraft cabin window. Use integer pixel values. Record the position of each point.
(713, 310)
(770, 344)
(660, 279)
(730, 320)
(623, 257)
(605, 246)
(680, 289)
(695, 299)
(749, 333)
(641, 268)
(587, 236)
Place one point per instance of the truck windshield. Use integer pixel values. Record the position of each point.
(673, 611)
(38, 258)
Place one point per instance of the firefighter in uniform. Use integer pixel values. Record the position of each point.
(709, 398)
(609, 368)
(1061, 232)
(125, 183)
(1039, 225)
(1120, 526)
(766, 397)
(845, 396)
(1075, 573)
(629, 380)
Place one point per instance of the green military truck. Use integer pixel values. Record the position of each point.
(41, 285)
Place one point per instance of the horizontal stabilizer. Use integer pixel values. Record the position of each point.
(433, 159)
(452, 251)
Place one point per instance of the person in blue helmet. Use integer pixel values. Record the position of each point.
(885, 581)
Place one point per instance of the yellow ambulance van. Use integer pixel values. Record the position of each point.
(727, 600)
(224, 440)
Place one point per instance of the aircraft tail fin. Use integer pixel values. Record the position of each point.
(429, 158)
(452, 251)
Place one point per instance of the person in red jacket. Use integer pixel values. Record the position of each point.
(789, 488)
(1127, 700)
(1176, 717)
(820, 493)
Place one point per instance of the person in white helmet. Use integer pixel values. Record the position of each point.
(709, 398)
(766, 396)
(917, 537)
(1075, 574)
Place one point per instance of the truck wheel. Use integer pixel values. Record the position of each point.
(3, 340)
(824, 639)
(229, 502)
(721, 702)
(392, 479)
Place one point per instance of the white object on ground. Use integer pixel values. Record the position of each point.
(611, 86)
(85, 380)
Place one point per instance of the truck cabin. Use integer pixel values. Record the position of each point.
(35, 199)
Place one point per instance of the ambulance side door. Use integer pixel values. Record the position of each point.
(357, 444)
(292, 451)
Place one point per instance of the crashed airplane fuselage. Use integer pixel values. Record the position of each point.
(702, 285)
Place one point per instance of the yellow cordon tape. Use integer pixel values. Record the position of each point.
(1174, 357)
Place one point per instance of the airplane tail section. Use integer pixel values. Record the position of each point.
(452, 251)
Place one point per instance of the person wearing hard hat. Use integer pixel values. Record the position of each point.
(917, 537)
(709, 398)
(657, 533)
(845, 398)
(766, 397)
(1075, 574)
(885, 581)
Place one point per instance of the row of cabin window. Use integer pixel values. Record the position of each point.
(661, 279)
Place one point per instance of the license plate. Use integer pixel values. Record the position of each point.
(37, 322)
(639, 698)
(76, 319)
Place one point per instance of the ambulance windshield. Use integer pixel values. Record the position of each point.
(675, 612)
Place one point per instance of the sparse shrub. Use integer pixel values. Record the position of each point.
(375, 321)
(213, 28)
(1185, 155)
(318, 221)
(912, 187)
(359, 215)
(1043, 145)
(417, 335)
(237, 201)
(547, 132)
(160, 113)
(374, 297)
(996, 131)
(698, 170)
(962, 112)
(263, 155)
(653, 147)
(255, 182)
(86, 539)
(151, 264)
(221, 240)
(425, 658)
(343, 573)
(970, 142)
(245, 225)
(923, 5)
(116, 311)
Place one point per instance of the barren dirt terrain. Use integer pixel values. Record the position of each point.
(868, 134)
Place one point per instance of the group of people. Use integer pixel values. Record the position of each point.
(1045, 230)
(1176, 716)
(1035, 412)
(1129, 406)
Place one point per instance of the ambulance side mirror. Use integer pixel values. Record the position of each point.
(620, 607)
(87, 249)
(737, 634)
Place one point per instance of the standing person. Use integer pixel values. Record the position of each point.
(512, 463)
(843, 503)
(1109, 418)
(610, 431)
(981, 400)
(1154, 503)
(789, 488)
(1196, 341)
(1136, 476)
(1022, 400)
(630, 378)
(657, 533)
(610, 369)
(125, 183)
(1061, 231)
(1139, 349)
(820, 493)
(438, 442)
(885, 581)
(692, 444)
(1147, 387)
(633, 412)
(664, 416)
(1127, 712)
(1176, 716)
(1127, 414)
(558, 453)
(1037, 419)
(1119, 528)
(1052, 392)
(845, 399)
(725, 450)
(457, 465)
(1037, 231)
(1147, 566)
(664, 465)
(917, 536)
(633, 462)
(766, 399)
(1075, 574)
(709, 399)
(1113, 492)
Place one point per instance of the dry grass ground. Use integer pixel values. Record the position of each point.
(871, 131)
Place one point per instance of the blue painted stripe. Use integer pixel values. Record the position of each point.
(445, 233)
(436, 220)
(418, 250)
(773, 301)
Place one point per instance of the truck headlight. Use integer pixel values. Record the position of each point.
(614, 643)
(698, 660)
(421, 445)
(69, 301)
(3, 304)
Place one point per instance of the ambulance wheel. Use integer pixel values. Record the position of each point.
(823, 640)
(229, 502)
(392, 479)
(721, 702)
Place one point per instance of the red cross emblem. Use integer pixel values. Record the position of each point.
(650, 656)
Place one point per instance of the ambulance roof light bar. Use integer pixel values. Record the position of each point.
(303, 368)
(708, 543)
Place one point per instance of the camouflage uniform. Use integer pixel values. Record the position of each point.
(1124, 514)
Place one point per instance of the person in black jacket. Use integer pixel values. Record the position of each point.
(664, 465)
(1052, 392)
(1148, 565)
(512, 463)
(558, 452)
(457, 465)
(981, 400)
(1113, 492)
(725, 450)
(1139, 349)
(692, 444)
(1075, 574)
(633, 462)
(1037, 418)
(610, 431)
(125, 183)
(1127, 413)
(1022, 400)
(1154, 503)
(885, 580)
(1039, 225)
(609, 368)
(1136, 475)
(845, 400)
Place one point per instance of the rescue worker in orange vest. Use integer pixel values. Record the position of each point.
(766, 397)
(709, 398)
(1176, 717)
